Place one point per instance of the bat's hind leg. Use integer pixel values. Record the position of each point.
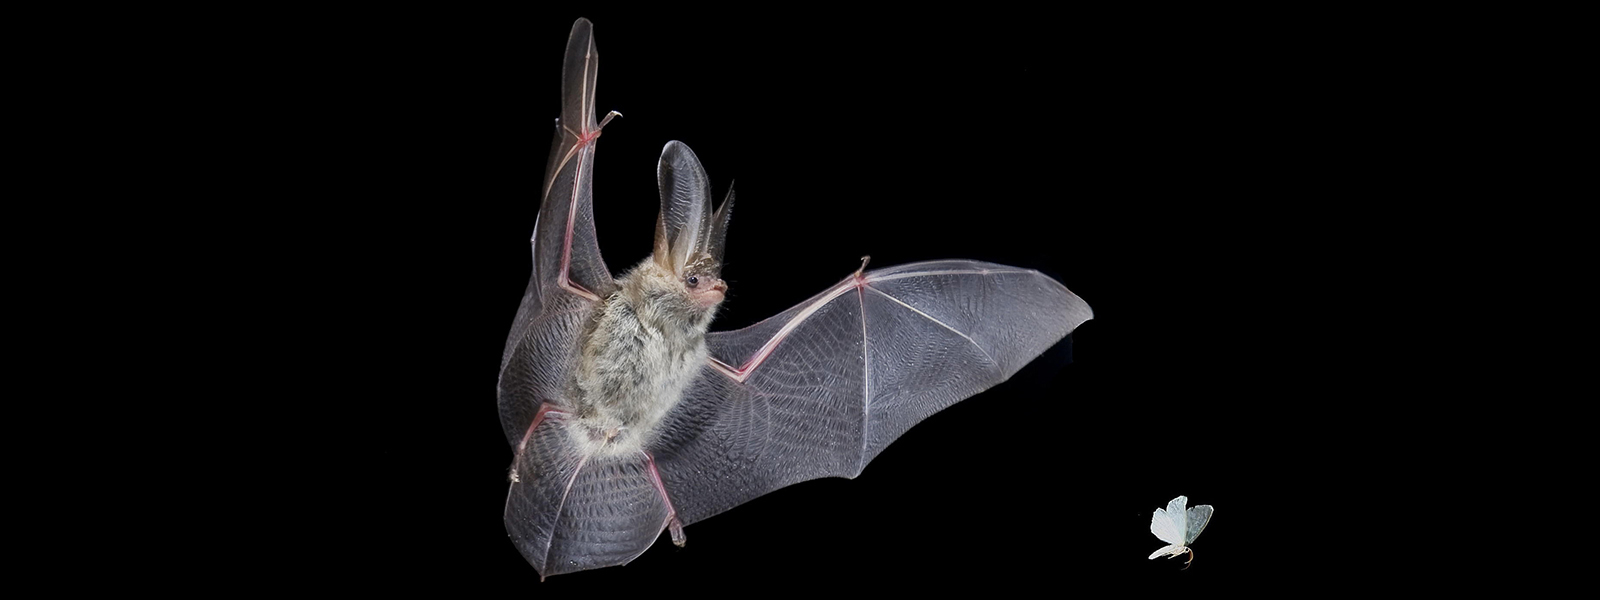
(672, 524)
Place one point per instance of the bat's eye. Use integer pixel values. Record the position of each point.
(693, 281)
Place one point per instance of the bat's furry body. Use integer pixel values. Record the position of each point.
(642, 347)
(629, 418)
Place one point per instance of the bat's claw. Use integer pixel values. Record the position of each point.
(673, 524)
(678, 539)
(1186, 563)
(608, 118)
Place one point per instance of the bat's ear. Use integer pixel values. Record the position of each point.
(719, 231)
(684, 229)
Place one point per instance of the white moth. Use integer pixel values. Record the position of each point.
(1178, 528)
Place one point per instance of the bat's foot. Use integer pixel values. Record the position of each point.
(673, 524)
(678, 539)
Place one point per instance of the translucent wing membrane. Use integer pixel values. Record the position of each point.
(1179, 519)
(566, 252)
(566, 512)
(822, 388)
(1161, 525)
(1198, 517)
(568, 272)
(569, 512)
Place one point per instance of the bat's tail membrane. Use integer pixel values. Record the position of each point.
(567, 511)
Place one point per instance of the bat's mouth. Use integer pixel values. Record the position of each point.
(710, 295)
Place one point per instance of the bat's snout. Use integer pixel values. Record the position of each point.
(710, 295)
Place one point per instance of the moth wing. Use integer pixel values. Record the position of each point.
(1161, 525)
(1177, 515)
(1198, 517)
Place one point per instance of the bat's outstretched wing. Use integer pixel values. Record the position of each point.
(822, 388)
(569, 275)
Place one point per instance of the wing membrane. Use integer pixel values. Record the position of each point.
(1161, 525)
(566, 253)
(822, 388)
(1199, 516)
(568, 272)
(1179, 519)
(567, 512)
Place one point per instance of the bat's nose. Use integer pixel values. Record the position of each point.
(720, 286)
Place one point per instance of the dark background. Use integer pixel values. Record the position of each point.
(1172, 170)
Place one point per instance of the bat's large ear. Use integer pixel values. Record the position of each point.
(719, 232)
(684, 228)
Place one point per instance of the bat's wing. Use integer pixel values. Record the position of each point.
(570, 511)
(569, 275)
(567, 510)
(822, 388)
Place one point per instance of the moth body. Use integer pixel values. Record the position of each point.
(1172, 551)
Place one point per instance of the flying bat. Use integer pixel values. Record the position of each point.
(628, 417)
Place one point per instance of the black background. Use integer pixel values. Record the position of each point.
(1171, 170)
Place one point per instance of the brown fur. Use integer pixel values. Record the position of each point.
(639, 351)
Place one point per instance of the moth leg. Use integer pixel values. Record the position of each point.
(672, 524)
(1191, 559)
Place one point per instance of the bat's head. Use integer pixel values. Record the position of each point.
(689, 235)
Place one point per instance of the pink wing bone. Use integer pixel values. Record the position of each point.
(858, 282)
(820, 389)
(574, 148)
(854, 283)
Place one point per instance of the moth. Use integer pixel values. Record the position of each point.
(1178, 527)
(628, 417)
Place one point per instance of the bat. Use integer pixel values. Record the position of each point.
(1178, 527)
(629, 417)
